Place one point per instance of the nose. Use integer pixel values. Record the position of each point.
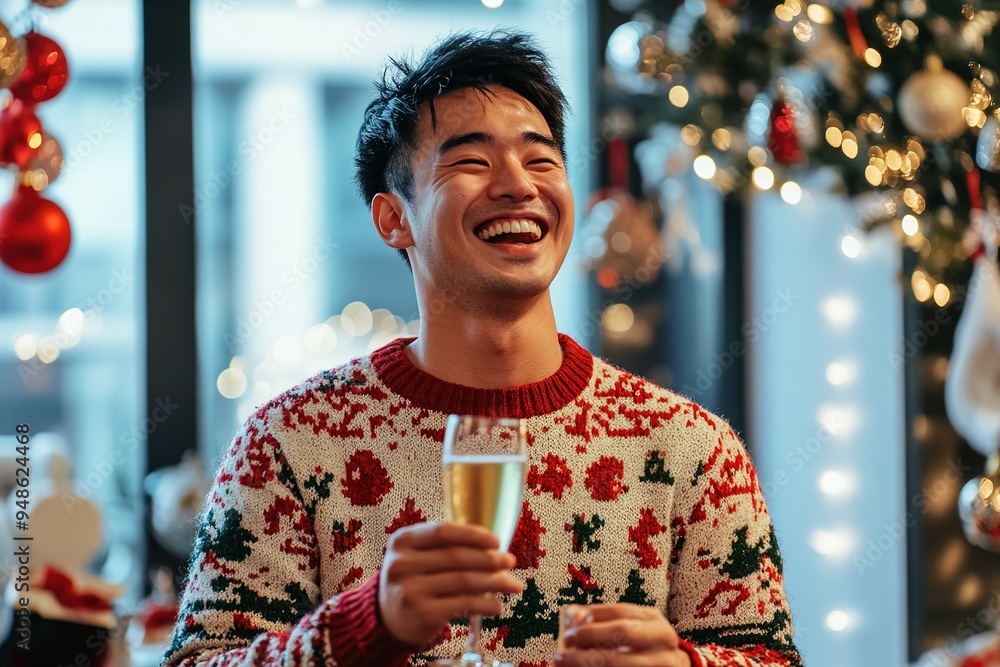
(511, 181)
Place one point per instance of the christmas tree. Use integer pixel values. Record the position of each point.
(892, 97)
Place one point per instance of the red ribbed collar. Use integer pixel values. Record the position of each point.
(527, 400)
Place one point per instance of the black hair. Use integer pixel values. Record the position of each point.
(468, 60)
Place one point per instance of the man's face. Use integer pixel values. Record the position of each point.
(489, 166)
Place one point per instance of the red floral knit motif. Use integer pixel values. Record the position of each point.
(408, 516)
(642, 534)
(555, 479)
(367, 481)
(604, 478)
(526, 543)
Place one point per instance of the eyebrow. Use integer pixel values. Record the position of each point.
(487, 138)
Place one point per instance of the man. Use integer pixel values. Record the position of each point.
(322, 541)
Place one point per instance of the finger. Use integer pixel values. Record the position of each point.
(451, 584)
(452, 559)
(596, 613)
(433, 535)
(631, 634)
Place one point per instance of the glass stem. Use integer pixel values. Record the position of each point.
(472, 650)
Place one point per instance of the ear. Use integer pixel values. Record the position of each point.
(390, 220)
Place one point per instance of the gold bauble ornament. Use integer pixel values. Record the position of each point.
(45, 165)
(13, 55)
(931, 102)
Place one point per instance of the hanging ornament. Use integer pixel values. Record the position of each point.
(45, 73)
(972, 390)
(20, 135)
(988, 145)
(12, 57)
(979, 507)
(46, 164)
(782, 135)
(50, 4)
(34, 232)
(931, 102)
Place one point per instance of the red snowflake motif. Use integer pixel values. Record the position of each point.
(714, 596)
(258, 462)
(346, 538)
(279, 507)
(730, 475)
(642, 534)
(556, 478)
(408, 516)
(604, 478)
(367, 481)
(526, 543)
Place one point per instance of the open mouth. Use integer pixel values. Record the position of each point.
(511, 230)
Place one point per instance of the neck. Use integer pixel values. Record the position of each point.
(504, 347)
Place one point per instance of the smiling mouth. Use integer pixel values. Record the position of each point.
(512, 230)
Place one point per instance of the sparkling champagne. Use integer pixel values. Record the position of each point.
(486, 491)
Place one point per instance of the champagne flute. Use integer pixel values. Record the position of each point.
(484, 475)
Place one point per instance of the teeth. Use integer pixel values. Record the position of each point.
(512, 227)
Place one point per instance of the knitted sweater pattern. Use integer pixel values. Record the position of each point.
(633, 494)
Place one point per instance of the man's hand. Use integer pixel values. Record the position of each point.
(621, 635)
(436, 572)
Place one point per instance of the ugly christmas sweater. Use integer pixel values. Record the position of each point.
(633, 494)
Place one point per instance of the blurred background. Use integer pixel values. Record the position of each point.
(787, 212)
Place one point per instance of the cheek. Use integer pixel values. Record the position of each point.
(562, 197)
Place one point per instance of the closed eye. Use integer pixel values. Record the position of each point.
(471, 161)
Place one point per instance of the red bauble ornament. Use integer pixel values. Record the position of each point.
(782, 138)
(45, 73)
(20, 135)
(34, 232)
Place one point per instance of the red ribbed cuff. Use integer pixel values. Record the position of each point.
(357, 634)
(688, 648)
